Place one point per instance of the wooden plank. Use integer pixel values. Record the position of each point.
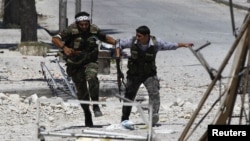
(220, 118)
(185, 134)
(230, 97)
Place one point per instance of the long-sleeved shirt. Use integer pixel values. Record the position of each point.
(161, 44)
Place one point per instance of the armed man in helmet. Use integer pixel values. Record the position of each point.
(78, 43)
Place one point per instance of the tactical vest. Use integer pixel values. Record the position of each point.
(142, 63)
(86, 43)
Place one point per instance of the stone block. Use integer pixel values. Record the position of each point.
(33, 48)
(104, 59)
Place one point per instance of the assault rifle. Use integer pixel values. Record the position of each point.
(120, 75)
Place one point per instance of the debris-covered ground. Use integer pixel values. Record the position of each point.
(23, 112)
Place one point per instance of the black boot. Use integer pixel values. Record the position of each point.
(88, 116)
(97, 111)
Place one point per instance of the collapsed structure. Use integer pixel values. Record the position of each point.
(237, 85)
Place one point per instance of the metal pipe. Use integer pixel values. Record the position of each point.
(232, 17)
(122, 137)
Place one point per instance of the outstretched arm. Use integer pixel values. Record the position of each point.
(110, 40)
(165, 45)
(185, 44)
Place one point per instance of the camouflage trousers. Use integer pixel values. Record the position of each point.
(132, 86)
(86, 80)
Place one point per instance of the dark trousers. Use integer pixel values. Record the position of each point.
(87, 85)
(133, 84)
